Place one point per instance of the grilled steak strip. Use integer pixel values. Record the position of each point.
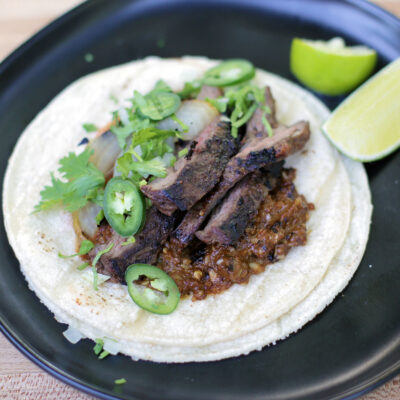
(230, 211)
(230, 219)
(254, 155)
(145, 250)
(197, 215)
(196, 174)
(209, 92)
(255, 126)
(260, 153)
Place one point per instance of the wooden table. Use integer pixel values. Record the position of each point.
(20, 378)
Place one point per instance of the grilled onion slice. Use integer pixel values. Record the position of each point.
(106, 151)
(196, 114)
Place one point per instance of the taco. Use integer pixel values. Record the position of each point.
(208, 218)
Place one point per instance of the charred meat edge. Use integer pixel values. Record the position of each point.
(230, 219)
(255, 155)
(197, 173)
(254, 129)
(238, 208)
(145, 250)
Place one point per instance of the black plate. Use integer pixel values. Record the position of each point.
(354, 345)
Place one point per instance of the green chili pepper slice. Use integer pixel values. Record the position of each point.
(152, 289)
(230, 72)
(159, 105)
(124, 207)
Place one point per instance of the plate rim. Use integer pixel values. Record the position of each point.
(363, 387)
(86, 4)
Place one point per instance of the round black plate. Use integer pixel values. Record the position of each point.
(352, 346)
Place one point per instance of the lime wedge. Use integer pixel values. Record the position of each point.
(330, 67)
(366, 126)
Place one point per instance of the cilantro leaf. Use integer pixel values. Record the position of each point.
(99, 217)
(123, 164)
(85, 247)
(183, 152)
(247, 115)
(243, 100)
(83, 266)
(103, 354)
(96, 196)
(98, 347)
(95, 260)
(52, 195)
(89, 127)
(183, 126)
(154, 148)
(161, 86)
(221, 103)
(172, 161)
(128, 241)
(113, 98)
(157, 105)
(74, 166)
(266, 124)
(190, 90)
(122, 132)
(148, 134)
(81, 177)
(153, 167)
(126, 165)
(135, 120)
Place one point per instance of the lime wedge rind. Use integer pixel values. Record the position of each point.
(358, 157)
(392, 68)
(338, 46)
(329, 67)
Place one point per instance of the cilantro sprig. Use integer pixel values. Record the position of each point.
(98, 349)
(85, 247)
(146, 152)
(88, 127)
(95, 260)
(143, 143)
(79, 178)
(243, 101)
(190, 89)
(136, 169)
(129, 241)
(134, 124)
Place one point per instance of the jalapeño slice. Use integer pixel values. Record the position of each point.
(152, 289)
(229, 72)
(124, 206)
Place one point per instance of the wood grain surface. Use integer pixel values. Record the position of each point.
(20, 379)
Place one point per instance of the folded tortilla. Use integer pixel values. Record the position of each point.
(246, 317)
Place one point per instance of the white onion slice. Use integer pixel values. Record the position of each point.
(167, 159)
(123, 116)
(87, 275)
(170, 141)
(106, 151)
(87, 219)
(196, 114)
(73, 335)
(112, 346)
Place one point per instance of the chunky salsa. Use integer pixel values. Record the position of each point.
(210, 269)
